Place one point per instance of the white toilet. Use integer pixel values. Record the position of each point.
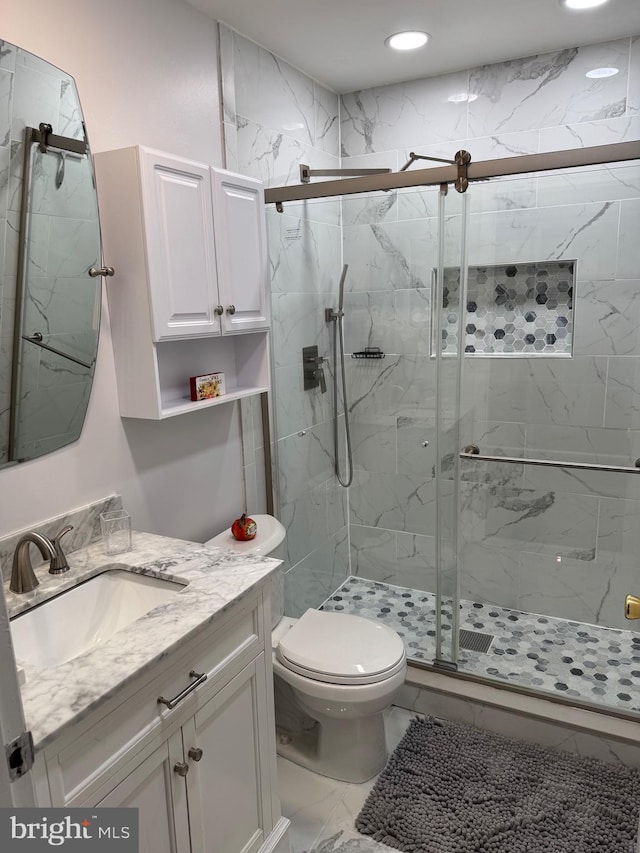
(342, 672)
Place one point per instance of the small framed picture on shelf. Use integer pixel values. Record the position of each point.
(207, 386)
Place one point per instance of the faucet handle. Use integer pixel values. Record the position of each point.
(59, 563)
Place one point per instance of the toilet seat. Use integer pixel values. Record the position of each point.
(339, 648)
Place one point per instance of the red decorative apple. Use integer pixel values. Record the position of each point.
(244, 528)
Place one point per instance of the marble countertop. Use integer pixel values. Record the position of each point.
(56, 697)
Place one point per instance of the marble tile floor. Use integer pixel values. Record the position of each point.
(322, 811)
(584, 663)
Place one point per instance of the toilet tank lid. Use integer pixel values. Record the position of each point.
(341, 644)
(270, 534)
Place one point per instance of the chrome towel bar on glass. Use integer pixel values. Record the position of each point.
(472, 451)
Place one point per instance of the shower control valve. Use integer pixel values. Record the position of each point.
(312, 369)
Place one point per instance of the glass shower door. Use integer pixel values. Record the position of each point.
(547, 552)
(449, 301)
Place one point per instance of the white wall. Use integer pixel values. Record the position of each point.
(146, 72)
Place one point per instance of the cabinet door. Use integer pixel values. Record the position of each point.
(159, 794)
(181, 262)
(228, 787)
(239, 224)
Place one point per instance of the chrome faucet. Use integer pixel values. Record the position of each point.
(23, 578)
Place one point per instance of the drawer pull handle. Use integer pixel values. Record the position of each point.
(219, 310)
(181, 768)
(231, 309)
(195, 752)
(171, 703)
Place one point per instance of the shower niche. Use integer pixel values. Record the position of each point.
(519, 309)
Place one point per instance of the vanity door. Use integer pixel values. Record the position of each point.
(159, 793)
(227, 745)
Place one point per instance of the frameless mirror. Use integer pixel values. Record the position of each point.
(50, 252)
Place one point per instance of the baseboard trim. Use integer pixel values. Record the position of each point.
(278, 840)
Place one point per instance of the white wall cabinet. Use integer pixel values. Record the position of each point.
(190, 293)
(202, 775)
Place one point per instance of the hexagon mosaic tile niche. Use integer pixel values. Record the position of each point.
(512, 309)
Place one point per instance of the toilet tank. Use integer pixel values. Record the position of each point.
(269, 541)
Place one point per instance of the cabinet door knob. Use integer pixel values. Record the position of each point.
(195, 752)
(219, 310)
(181, 768)
(231, 309)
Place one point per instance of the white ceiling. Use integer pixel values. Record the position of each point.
(341, 42)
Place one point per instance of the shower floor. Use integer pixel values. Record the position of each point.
(569, 659)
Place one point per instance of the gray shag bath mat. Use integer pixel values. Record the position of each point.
(453, 788)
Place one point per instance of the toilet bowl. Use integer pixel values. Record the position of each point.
(336, 672)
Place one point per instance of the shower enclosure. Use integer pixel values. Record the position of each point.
(494, 411)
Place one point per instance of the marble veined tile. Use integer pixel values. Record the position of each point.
(608, 318)
(274, 156)
(370, 321)
(633, 101)
(394, 502)
(537, 521)
(374, 444)
(227, 70)
(304, 255)
(584, 231)
(305, 461)
(297, 409)
(589, 184)
(395, 385)
(74, 246)
(35, 94)
(298, 321)
(538, 390)
(272, 93)
(326, 120)
(413, 321)
(549, 89)
(311, 581)
(390, 256)
(584, 134)
(628, 239)
(305, 520)
(623, 394)
(619, 533)
(580, 590)
(365, 208)
(373, 552)
(6, 105)
(403, 114)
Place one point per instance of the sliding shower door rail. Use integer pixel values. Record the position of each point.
(482, 170)
(472, 452)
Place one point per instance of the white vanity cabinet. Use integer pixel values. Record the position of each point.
(190, 292)
(202, 774)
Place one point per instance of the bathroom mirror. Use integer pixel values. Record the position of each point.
(50, 284)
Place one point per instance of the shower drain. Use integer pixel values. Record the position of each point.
(475, 641)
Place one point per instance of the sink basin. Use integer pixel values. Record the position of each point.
(86, 616)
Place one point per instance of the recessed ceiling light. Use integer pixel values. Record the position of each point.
(409, 40)
(582, 4)
(462, 97)
(602, 72)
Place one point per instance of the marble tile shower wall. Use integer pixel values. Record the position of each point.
(276, 118)
(30, 92)
(555, 541)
